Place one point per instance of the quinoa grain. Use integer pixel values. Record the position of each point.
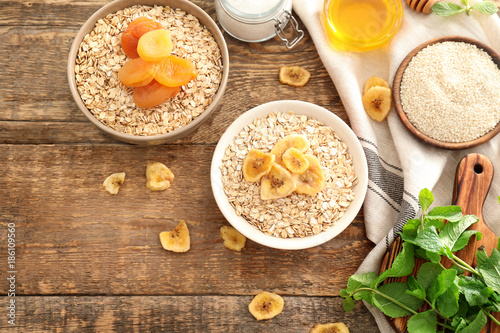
(450, 92)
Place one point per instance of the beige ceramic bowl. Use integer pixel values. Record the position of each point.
(117, 5)
(299, 108)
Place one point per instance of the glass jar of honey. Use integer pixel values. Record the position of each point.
(361, 25)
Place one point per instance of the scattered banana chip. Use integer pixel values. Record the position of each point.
(377, 98)
(375, 81)
(377, 102)
(294, 75)
(113, 182)
(295, 161)
(266, 305)
(296, 141)
(330, 328)
(312, 180)
(158, 176)
(177, 240)
(257, 164)
(278, 183)
(233, 240)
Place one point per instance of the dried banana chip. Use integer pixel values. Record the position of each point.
(177, 240)
(330, 328)
(377, 102)
(233, 240)
(312, 180)
(375, 81)
(158, 176)
(257, 164)
(278, 183)
(297, 141)
(113, 182)
(294, 76)
(295, 161)
(266, 305)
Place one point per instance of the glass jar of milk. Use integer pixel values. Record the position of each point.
(258, 20)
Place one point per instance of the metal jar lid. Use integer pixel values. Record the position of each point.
(277, 11)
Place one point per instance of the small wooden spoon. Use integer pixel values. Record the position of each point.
(421, 6)
(424, 6)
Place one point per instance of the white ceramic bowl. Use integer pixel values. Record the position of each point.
(176, 134)
(299, 108)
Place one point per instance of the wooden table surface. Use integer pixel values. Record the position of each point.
(86, 261)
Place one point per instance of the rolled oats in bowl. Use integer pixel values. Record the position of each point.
(99, 56)
(297, 215)
(297, 220)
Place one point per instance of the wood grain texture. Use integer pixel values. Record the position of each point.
(179, 314)
(77, 235)
(90, 262)
(34, 88)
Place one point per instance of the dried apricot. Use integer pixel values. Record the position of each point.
(174, 71)
(138, 20)
(129, 39)
(153, 94)
(144, 27)
(129, 44)
(154, 45)
(137, 72)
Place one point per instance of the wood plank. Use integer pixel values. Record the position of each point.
(177, 314)
(75, 238)
(36, 99)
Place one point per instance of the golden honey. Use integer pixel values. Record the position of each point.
(362, 25)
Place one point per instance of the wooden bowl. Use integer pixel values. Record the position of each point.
(180, 132)
(402, 115)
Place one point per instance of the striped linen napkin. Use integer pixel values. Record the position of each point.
(399, 164)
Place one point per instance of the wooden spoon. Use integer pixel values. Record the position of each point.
(424, 6)
(473, 179)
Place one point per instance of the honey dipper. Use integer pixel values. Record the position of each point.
(421, 6)
(424, 6)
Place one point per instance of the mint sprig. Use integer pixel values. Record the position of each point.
(450, 8)
(457, 302)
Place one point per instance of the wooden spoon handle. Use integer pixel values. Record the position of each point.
(472, 183)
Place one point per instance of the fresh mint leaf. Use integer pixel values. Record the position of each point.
(402, 265)
(447, 303)
(415, 289)
(475, 291)
(444, 280)
(348, 304)
(446, 8)
(423, 322)
(433, 257)
(411, 227)
(360, 281)
(428, 273)
(464, 2)
(485, 7)
(481, 256)
(357, 281)
(450, 213)
(425, 199)
(396, 290)
(464, 238)
(490, 270)
(493, 303)
(476, 325)
(429, 240)
(452, 231)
